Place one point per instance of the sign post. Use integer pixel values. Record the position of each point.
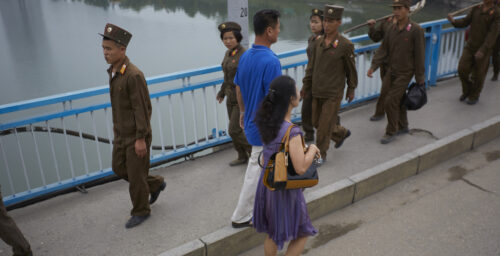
(237, 11)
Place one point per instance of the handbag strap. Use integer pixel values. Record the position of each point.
(285, 142)
(286, 139)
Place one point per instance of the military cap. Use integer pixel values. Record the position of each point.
(404, 3)
(117, 34)
(316, 11)
(333, 11)
(229, 26)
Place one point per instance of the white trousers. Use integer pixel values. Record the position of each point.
(244, 209)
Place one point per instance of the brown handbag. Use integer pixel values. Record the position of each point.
(280, 174)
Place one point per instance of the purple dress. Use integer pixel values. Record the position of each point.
(281, 214)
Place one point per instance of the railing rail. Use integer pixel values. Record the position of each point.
(67, 138)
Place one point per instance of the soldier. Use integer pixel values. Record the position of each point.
(404, 49)
(231, 37)
(316, 25)
(376, 34)
(496, 54)
(131, 108)
(484, 21)
(10, 233)
(331, 63)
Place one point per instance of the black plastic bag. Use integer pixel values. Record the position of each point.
(416, 96)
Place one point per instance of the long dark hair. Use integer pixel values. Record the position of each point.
(274, 107)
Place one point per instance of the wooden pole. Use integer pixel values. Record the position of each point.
(464, 9)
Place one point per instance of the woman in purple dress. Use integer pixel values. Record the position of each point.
(282, 214)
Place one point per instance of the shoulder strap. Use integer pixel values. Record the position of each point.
(286, 139)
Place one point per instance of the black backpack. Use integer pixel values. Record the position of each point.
(416, 96)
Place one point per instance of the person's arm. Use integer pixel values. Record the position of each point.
(138, 94)
(376, 33)
(307, 80)
(419, 56)
(351, 72)
(241, 105)
(491, 38)
(461, 23)
(380, 56)
(301, 160)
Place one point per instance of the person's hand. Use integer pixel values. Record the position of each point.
(371, 22)
(450, 18)
(370, 73)
(349, 97)
(314, 149)
(242, 117)
(219, 99)
(479, 55)
(421, 83)
(140, 147)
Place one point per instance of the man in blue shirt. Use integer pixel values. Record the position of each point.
(258, 66)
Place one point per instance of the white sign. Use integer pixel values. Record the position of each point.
(237, 11)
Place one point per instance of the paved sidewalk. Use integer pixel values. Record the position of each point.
(451, 209)
(202, 194)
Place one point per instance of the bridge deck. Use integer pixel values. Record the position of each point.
(201, 194)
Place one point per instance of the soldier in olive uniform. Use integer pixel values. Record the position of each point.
(131, 108)
(230, 34)
(484, 21)
(331, 64)
(376, 34)
(316, 25)
(10, 233)
(404, 50)
(496, 54)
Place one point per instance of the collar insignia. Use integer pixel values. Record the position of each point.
(336, 43)
(234, 52)
(408, 27)
(122, 70)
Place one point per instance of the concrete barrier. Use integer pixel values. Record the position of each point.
(193, 248)
(329, 198)
(444, 149)
(229, 241)
(486, 131)
(384, 175)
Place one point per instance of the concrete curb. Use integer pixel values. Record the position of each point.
(229, 241)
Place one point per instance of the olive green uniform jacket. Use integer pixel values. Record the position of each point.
(330, 67)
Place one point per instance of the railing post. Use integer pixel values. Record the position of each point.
(436, 43)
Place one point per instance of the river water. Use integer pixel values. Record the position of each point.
(52, 46)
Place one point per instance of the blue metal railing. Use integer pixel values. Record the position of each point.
(36, 164)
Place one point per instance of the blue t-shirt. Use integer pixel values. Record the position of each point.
(258, 66)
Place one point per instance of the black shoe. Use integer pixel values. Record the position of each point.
(155, 195)
(376, 118)
(403, 131)
(135, 220)
(471, 102)
(463, 97)
(495, 77)
(386, 139)
(242, 225)
(339, 144)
